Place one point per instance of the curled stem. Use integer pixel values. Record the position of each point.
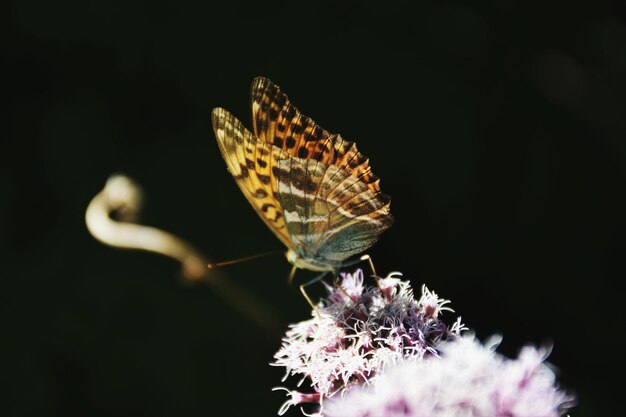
(122, 196)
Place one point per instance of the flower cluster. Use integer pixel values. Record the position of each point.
(358, 331)
(468, 379)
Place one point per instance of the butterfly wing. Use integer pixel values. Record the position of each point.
(275, 120)
(314, 189)
(250, 162)
(330, 214)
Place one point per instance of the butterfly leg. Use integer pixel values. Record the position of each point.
(292, 274)
(340, 288)
(306, 297)
(306, 284)
(368, 258)
(374, 275)
(361, 259)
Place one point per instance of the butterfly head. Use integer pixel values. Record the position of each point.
(312, 264)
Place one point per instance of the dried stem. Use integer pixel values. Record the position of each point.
(123, 197)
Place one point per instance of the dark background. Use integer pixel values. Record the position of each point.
(496, 126)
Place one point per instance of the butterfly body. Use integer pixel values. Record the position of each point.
(313, 189)
(302, 261)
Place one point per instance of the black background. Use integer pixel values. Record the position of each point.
(496, 126)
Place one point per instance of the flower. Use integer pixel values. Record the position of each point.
(358, 331)
(467, 379)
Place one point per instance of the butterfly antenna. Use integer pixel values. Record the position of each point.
(214, 265)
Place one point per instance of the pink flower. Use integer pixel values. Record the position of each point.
(467, 379)
(357, 332)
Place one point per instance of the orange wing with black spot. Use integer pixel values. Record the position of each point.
(275, 120)
(250, 162)
(314, 189)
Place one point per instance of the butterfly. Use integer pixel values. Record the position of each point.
(314, 189)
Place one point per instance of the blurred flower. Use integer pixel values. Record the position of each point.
(358, 331)
(468, 380)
